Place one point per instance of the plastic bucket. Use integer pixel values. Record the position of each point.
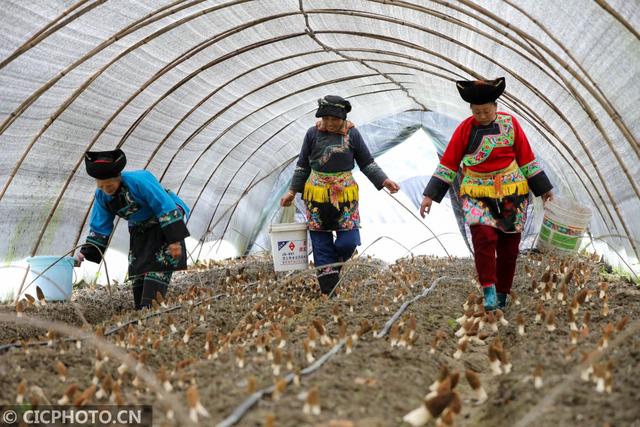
(289, 246)
(56, 282)
(563, 225)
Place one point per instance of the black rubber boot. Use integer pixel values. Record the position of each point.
(149, 291)
(137, 296)
(328, 282)
(502, 300)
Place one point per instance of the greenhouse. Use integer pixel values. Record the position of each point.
(209, 117)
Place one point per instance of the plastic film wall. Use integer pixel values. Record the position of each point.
(214, 97)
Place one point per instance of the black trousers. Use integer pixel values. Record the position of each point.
(146, 286)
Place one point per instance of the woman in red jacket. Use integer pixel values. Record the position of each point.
(498, 169)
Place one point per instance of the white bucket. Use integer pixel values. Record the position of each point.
(564, 224)
(289, 246)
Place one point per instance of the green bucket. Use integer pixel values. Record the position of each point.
(563, 225)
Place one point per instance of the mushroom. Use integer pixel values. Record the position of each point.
(537, 376)
(312, 403)
(520, 322)
(195, 407)
(479, 393)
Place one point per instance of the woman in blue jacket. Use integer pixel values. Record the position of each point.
(156, 218)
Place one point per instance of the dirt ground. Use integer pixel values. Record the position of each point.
(375, 385)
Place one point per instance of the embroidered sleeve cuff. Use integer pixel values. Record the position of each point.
(173, 227)
(445, 174)
(375, 174)
(300, 176)
(90, 252)
(540, 183)
(436, 189)
(531, 169)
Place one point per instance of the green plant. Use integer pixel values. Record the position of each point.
(452, 324)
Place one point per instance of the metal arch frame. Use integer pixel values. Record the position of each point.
(51, 28)
(220, 199)
(567, 84)
(393, 63)
(424, 50)
(129, 29)
(615, 117)
(399, 64)
(78, 91)
(266, 141)
(394, 4)
(526, 84)
(91, 203)
(595, 167)
(248, 25)
(203, 45)
(624, 128)
(304, 89)
(603, 4)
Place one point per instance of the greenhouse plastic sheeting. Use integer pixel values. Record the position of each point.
(214, 97)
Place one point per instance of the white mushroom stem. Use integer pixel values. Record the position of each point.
(495, 367)
(574, 339)
(586, 373)
(418, 417)
(480, 395)
(312, 404)
(537, 382)
(431, 394)
(198, 410)
(520, 330)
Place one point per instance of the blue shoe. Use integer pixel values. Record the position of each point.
(490, 298)
(502, 300)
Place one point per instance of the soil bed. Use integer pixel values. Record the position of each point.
(375, 385)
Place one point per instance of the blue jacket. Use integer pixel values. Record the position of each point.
(146, 199)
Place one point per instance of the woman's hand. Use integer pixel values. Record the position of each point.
(548, 196)
(391, 186)
(425, 206)
(78, 258)
(175, 250)
(287, 198)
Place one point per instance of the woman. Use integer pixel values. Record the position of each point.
(498, 170)
(323, 176)
(156, 219)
